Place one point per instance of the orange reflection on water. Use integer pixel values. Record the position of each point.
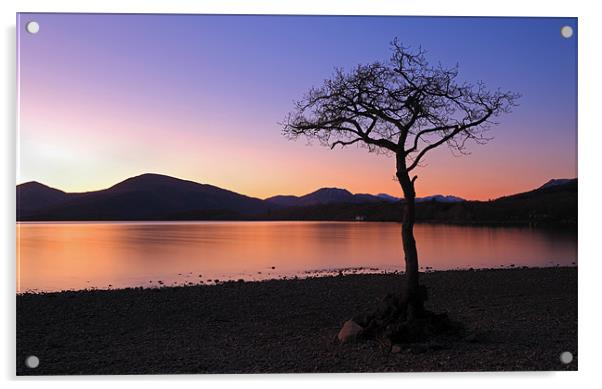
(58, 256)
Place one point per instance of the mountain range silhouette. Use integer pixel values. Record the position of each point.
(161, 197)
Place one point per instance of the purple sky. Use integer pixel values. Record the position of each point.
(105, 97)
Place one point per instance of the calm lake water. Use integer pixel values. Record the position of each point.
(59, 256)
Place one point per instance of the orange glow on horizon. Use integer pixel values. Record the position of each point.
(63, 156)
(110, 104)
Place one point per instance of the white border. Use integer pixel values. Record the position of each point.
(590, 193)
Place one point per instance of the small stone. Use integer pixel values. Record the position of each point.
(396, 349)
(349, 331)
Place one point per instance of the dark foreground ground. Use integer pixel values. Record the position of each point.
(520, 319)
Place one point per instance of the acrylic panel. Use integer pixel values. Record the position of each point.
(271, 194)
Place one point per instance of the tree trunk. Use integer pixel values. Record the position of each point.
(411, 294)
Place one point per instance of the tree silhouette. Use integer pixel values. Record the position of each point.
(406, 107)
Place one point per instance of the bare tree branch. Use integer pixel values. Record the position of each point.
(405, 106)
(343, 144)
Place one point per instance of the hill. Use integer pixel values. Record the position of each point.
(554, 205)
(160, 197)
(144, 197)
(324, 196)
(33, 197)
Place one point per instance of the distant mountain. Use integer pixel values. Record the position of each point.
(550, 187)
(387, 197)
(556, 182)
(145, 197)
(440, 198)
(33, 196)
(550, 206)
(283, 200)
(340, 196)
(160, 197)
(326, 196)
(323, 196)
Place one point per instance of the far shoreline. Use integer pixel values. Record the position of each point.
(568, 226)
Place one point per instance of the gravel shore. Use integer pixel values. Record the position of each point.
(515, 319)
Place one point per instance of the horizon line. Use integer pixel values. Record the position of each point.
(265, 198)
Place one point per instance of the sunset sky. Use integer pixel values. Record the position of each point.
(106, 97)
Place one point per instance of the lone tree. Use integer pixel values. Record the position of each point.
(405, 107)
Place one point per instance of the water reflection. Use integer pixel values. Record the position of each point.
(57, 256)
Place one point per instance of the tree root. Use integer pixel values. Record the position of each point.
(394, 321)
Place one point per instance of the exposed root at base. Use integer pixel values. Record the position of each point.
(394, 322)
